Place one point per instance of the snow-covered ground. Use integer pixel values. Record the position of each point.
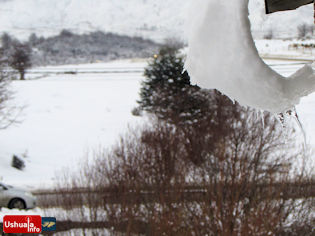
(65, 116)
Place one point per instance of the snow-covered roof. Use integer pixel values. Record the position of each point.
(283, 5)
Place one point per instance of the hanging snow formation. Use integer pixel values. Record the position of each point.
(222, 55)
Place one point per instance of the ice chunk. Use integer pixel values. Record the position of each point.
(222, 55)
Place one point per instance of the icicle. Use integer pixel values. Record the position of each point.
(282, 117)
(299, 123)
(262, 119)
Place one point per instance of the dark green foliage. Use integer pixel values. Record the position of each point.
(166, 82)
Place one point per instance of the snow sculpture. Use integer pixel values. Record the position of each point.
(222, 55)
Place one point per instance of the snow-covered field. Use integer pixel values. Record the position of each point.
(65, 116)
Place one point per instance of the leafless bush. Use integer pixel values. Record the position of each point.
(149, 183)
(250, 175)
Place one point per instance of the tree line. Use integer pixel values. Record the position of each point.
(71, 48)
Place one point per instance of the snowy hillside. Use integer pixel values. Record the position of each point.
(149, 18)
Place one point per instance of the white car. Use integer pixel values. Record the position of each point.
(12, 197)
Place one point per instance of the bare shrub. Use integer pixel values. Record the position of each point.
(249, 182)
(250, 175)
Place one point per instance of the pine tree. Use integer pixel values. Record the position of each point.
(166, 81)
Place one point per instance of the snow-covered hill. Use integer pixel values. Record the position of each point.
(149, 18)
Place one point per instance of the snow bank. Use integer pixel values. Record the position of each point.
(222, 55)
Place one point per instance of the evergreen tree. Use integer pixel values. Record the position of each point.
(165, 82)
